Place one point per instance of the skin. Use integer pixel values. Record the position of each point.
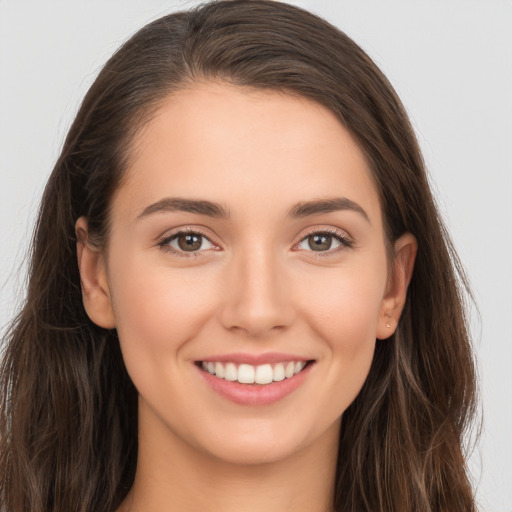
(256, 285)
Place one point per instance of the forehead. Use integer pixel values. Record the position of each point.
(240, 146)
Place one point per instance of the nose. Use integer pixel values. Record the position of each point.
(258, 299)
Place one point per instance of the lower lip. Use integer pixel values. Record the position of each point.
(255, 394)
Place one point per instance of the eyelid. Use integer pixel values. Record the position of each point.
(164, 242)
(346, 241)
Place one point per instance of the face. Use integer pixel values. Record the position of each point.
(246, 244)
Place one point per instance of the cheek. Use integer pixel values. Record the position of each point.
(157, 309)
(343, 312)
(344, 306)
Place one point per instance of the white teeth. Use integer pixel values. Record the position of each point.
(231, 373)
(290, 367)
(298, 366)
(246, 374)
(219, 370)
(279, 372)
(249, 374)
(264, 374)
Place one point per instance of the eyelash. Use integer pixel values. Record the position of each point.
(164, 244)
(344, 240)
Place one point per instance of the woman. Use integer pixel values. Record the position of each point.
(241, 294)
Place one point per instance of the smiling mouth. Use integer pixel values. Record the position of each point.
(262, 375)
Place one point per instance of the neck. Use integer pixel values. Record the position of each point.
(172, 475)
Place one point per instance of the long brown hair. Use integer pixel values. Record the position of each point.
(68, 424)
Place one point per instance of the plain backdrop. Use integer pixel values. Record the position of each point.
(451, 63)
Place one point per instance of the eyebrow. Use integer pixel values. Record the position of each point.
(216, 210)
(329, 205)
(177, 204)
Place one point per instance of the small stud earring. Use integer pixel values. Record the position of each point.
(388, 325)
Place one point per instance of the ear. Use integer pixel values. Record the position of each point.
(393, 302)
(93, 278)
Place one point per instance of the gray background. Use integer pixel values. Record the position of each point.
(451, 63)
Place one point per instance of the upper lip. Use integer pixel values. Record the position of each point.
(254, 359)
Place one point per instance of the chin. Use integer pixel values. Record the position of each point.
(267, 443)
(252, 454)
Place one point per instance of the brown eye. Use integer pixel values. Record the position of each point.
(190, 242)
(320, 242)
(325, 242)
